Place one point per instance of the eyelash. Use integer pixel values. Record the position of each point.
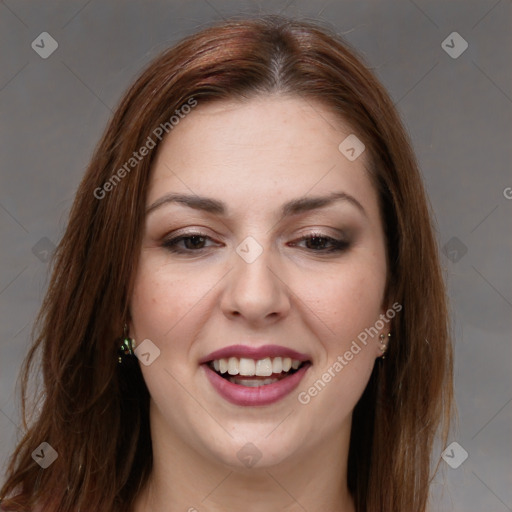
(336, 245)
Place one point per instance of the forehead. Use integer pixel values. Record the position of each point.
(265, 147)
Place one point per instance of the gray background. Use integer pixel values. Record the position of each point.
(457, 110)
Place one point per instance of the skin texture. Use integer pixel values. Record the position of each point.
(254, 156)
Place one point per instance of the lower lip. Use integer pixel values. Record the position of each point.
(262, 395)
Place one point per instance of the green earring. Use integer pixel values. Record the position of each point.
(126, 347)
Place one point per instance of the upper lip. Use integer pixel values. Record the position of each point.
(251, 352)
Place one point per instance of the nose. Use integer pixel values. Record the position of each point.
(256, 292)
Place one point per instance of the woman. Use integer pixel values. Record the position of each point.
(246, 310)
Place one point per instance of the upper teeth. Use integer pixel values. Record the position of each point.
(261, 367)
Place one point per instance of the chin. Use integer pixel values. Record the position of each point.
(255, 448)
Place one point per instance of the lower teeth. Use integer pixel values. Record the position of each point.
(251, 383)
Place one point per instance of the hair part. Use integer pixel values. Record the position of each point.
(95, 415)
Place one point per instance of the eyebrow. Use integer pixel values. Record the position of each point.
(293, 207)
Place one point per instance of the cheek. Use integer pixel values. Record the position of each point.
(161, 298)
(348, 306)
(347, 300)
(166, 308)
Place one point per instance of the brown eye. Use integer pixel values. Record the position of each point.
(188, 243)
(320, 243)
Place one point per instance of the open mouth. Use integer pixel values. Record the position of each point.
(255, 373)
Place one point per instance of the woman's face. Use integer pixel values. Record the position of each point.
(253, 261)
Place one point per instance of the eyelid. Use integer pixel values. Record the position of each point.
(200, 231)
(312, 232)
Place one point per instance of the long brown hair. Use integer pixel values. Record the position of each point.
(95, 415)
